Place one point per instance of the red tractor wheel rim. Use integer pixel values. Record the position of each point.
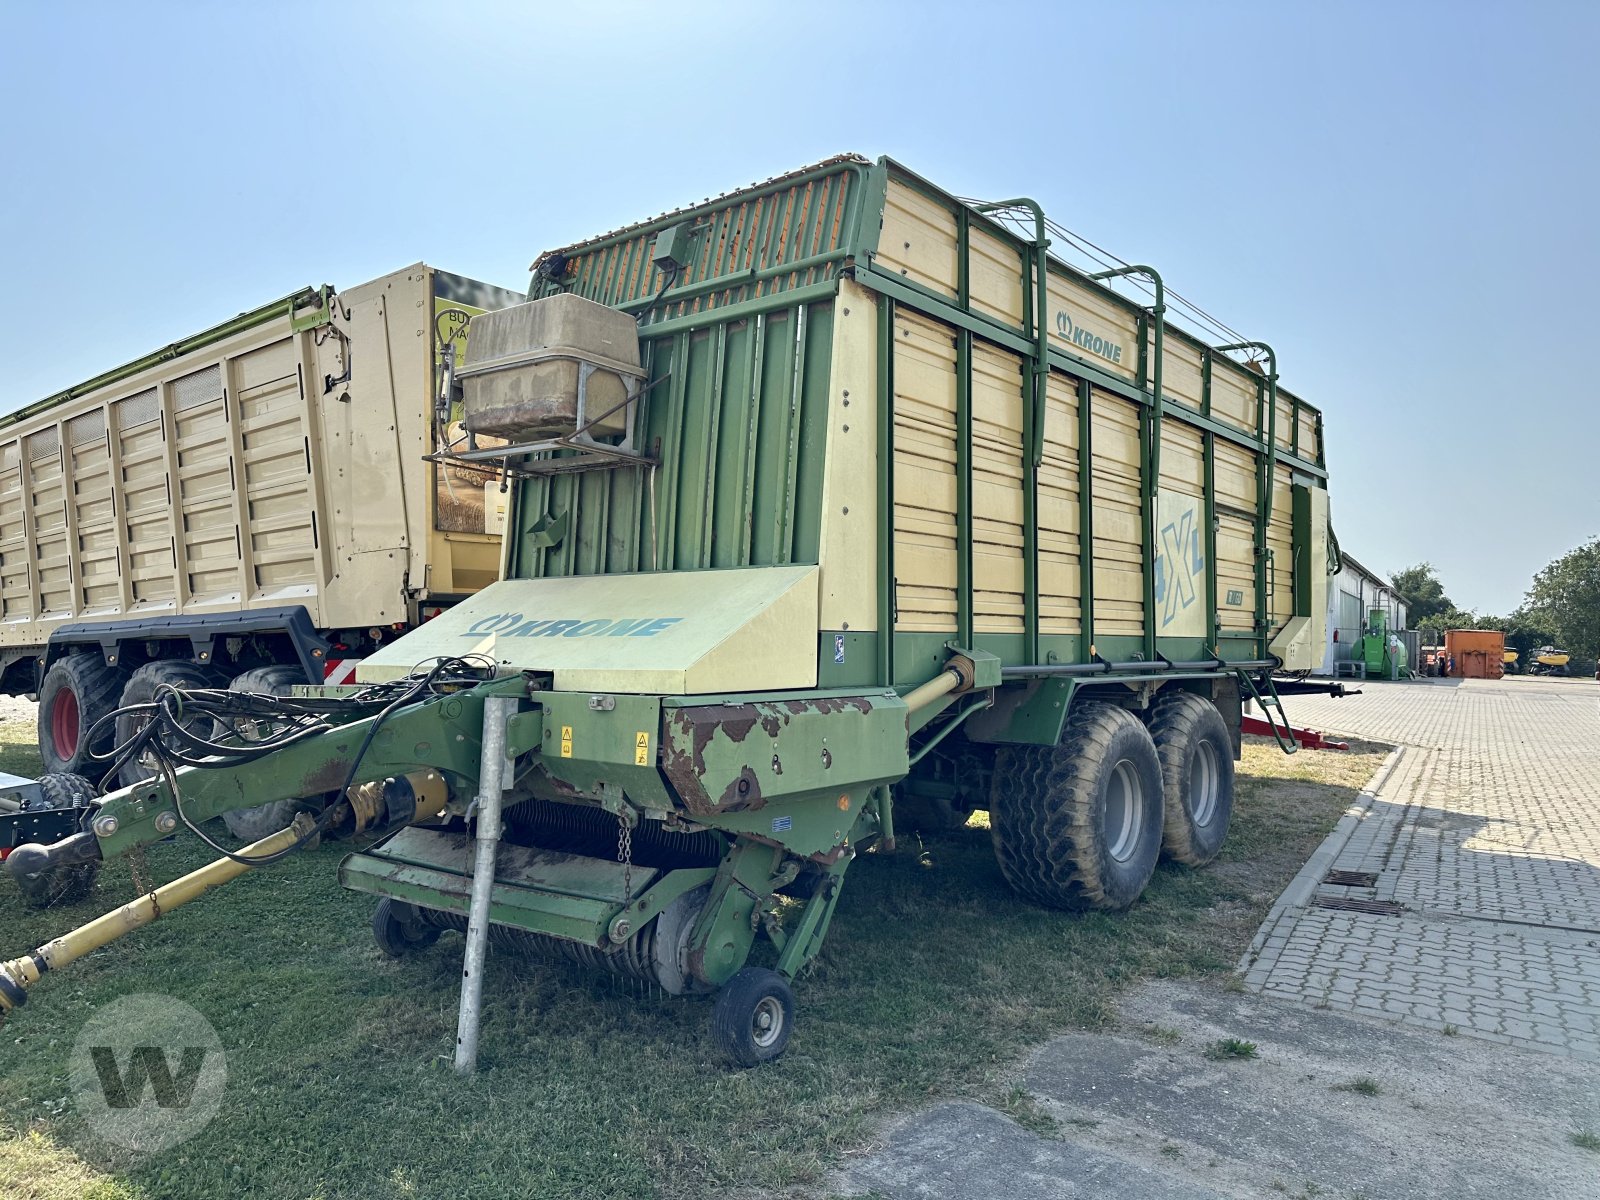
(64, 723)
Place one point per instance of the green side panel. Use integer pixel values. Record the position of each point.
(735, 416)
(1301, 515)
(790, 232)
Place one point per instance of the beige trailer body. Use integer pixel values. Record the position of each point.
(281, 464)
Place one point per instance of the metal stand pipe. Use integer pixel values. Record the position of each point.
(492, 770)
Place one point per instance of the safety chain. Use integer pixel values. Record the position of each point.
(625, 854)
(136, 867)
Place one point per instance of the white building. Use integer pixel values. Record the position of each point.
(1356, 591)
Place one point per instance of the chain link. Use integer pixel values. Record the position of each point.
(136, 867)
(625, 854)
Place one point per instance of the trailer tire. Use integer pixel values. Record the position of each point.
(77, 691)
(1197, 776)
(141, 689)
(253, 824)
(1078, 825)
(398, 929)
(753, 1017)
(62, 885)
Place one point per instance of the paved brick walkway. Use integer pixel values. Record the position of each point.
(1472, 898)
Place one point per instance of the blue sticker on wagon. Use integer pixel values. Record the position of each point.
(782, 824)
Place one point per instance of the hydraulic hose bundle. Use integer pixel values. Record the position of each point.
(243, 727)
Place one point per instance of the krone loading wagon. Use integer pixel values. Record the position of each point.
(249, 505)
(838, 506)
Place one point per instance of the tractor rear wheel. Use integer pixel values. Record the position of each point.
(1197, 776)
(253, 824)
(77, 691)
(1077, 825)
(141, 688)
(753, 1017)
(62, 885)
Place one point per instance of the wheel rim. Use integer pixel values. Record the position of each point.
(1204, 783)
(1124, 811)
(64, 715)
(766, 1022)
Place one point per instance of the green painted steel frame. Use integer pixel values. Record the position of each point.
(855, 253)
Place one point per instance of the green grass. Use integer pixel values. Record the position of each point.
(934, 981)
(1224, 1049)
(1364, 1086)
(1586, 1139)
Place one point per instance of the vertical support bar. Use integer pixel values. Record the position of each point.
(758, 349)
(1150, 373)
(119, 510)
(671, 454)
(30, 527)
(783, 519)
(1266, 472)
(964, 580)
(233, 418)
(709, 498)
(1209, 445)
(887, 606)
(69, 519)
(497, 710)
(1033, 405)
(180, 549)
(1086, 516)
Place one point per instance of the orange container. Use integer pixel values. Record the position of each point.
(1475, 653)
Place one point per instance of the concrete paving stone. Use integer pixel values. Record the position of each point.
(1488, 828)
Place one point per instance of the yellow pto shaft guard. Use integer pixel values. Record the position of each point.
(19, 974)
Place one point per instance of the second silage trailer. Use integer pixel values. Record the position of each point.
(249, 506)
(838, 504)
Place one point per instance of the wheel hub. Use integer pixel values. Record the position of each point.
(64, 715)
(766, 1023)
(1204, 782)
(1124, 811)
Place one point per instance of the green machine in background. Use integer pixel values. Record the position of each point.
(1383, 653)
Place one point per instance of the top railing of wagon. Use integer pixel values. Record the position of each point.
(786, 240)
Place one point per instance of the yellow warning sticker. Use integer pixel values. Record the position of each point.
(566, 741)
(641, 749)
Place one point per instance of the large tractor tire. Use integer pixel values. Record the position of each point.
(1077, 825)
(78, 690)
(57, 886)
(1197, 776)
(253, 824)
(141, 689)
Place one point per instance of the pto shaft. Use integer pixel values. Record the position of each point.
(22, 973)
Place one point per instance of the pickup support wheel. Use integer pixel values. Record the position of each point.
(753, 1017)
(398, 929)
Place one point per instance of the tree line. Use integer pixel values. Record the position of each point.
(1561, 606)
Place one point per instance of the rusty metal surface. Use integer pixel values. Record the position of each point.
(739, 757)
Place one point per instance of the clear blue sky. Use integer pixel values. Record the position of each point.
(1400, 196)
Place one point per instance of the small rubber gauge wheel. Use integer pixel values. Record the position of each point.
(753, 1017)
(399, 930)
